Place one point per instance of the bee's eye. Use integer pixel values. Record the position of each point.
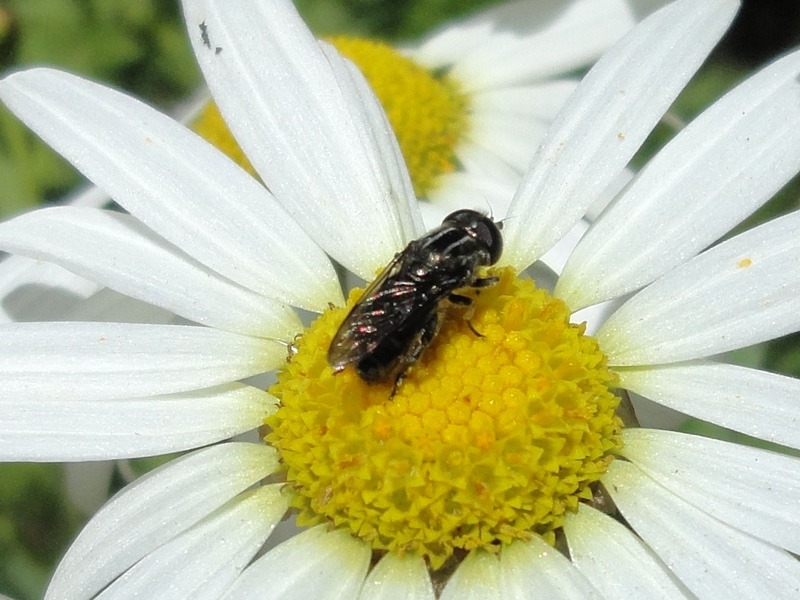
(462, 219)
(480, 227)
(488, 232)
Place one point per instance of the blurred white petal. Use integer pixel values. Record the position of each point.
(88, 484)
(112, 307)
(32, 290)
(485, 49)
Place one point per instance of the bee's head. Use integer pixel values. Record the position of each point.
(479, 227)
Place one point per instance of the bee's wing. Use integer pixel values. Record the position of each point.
(384, 305)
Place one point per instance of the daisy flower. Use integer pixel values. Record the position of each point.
(499, 467)
(470, 103)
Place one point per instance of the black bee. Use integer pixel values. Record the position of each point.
(399, 313)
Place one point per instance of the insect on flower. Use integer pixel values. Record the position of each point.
(399, 314)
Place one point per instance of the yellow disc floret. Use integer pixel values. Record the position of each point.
(428, 113)
(495, 432)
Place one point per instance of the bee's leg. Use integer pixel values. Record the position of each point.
(292, 348)
(464, 301)
(424, 337)
(428, 332)
(473, 330)
(459, 299)
(483, 282)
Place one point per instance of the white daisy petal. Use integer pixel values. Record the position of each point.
(89, 196)
(462, 189)
(541, 101)
(502, 134)
(611, 192)
(32, 290)
(205, 560)
(750, 401)
(606, 120)
(319, 564)
(113, 307)
(752, 489)
(476, 578)
(712, 559)
(749, 145)
(398, 578)
(534, 570)
(374, 127)
(480, 162)
(104, 361)
(118, 251)
(561, 37)
(615, 560)
(510, 122)
(176, 183)
(145, 515)
(75, 430)
(557, 255)
(321, 167)
(743, 291)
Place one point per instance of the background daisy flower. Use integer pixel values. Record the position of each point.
(207, 242)
(515, 65)
(470, 102)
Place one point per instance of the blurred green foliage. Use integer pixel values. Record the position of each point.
(36, 525)
(139, 46)
(698, 427)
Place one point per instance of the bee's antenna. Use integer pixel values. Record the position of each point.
(507, 218)
(503, 220)
(490, 212)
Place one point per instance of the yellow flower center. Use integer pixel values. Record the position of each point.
(427, 112)
(495, 433)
